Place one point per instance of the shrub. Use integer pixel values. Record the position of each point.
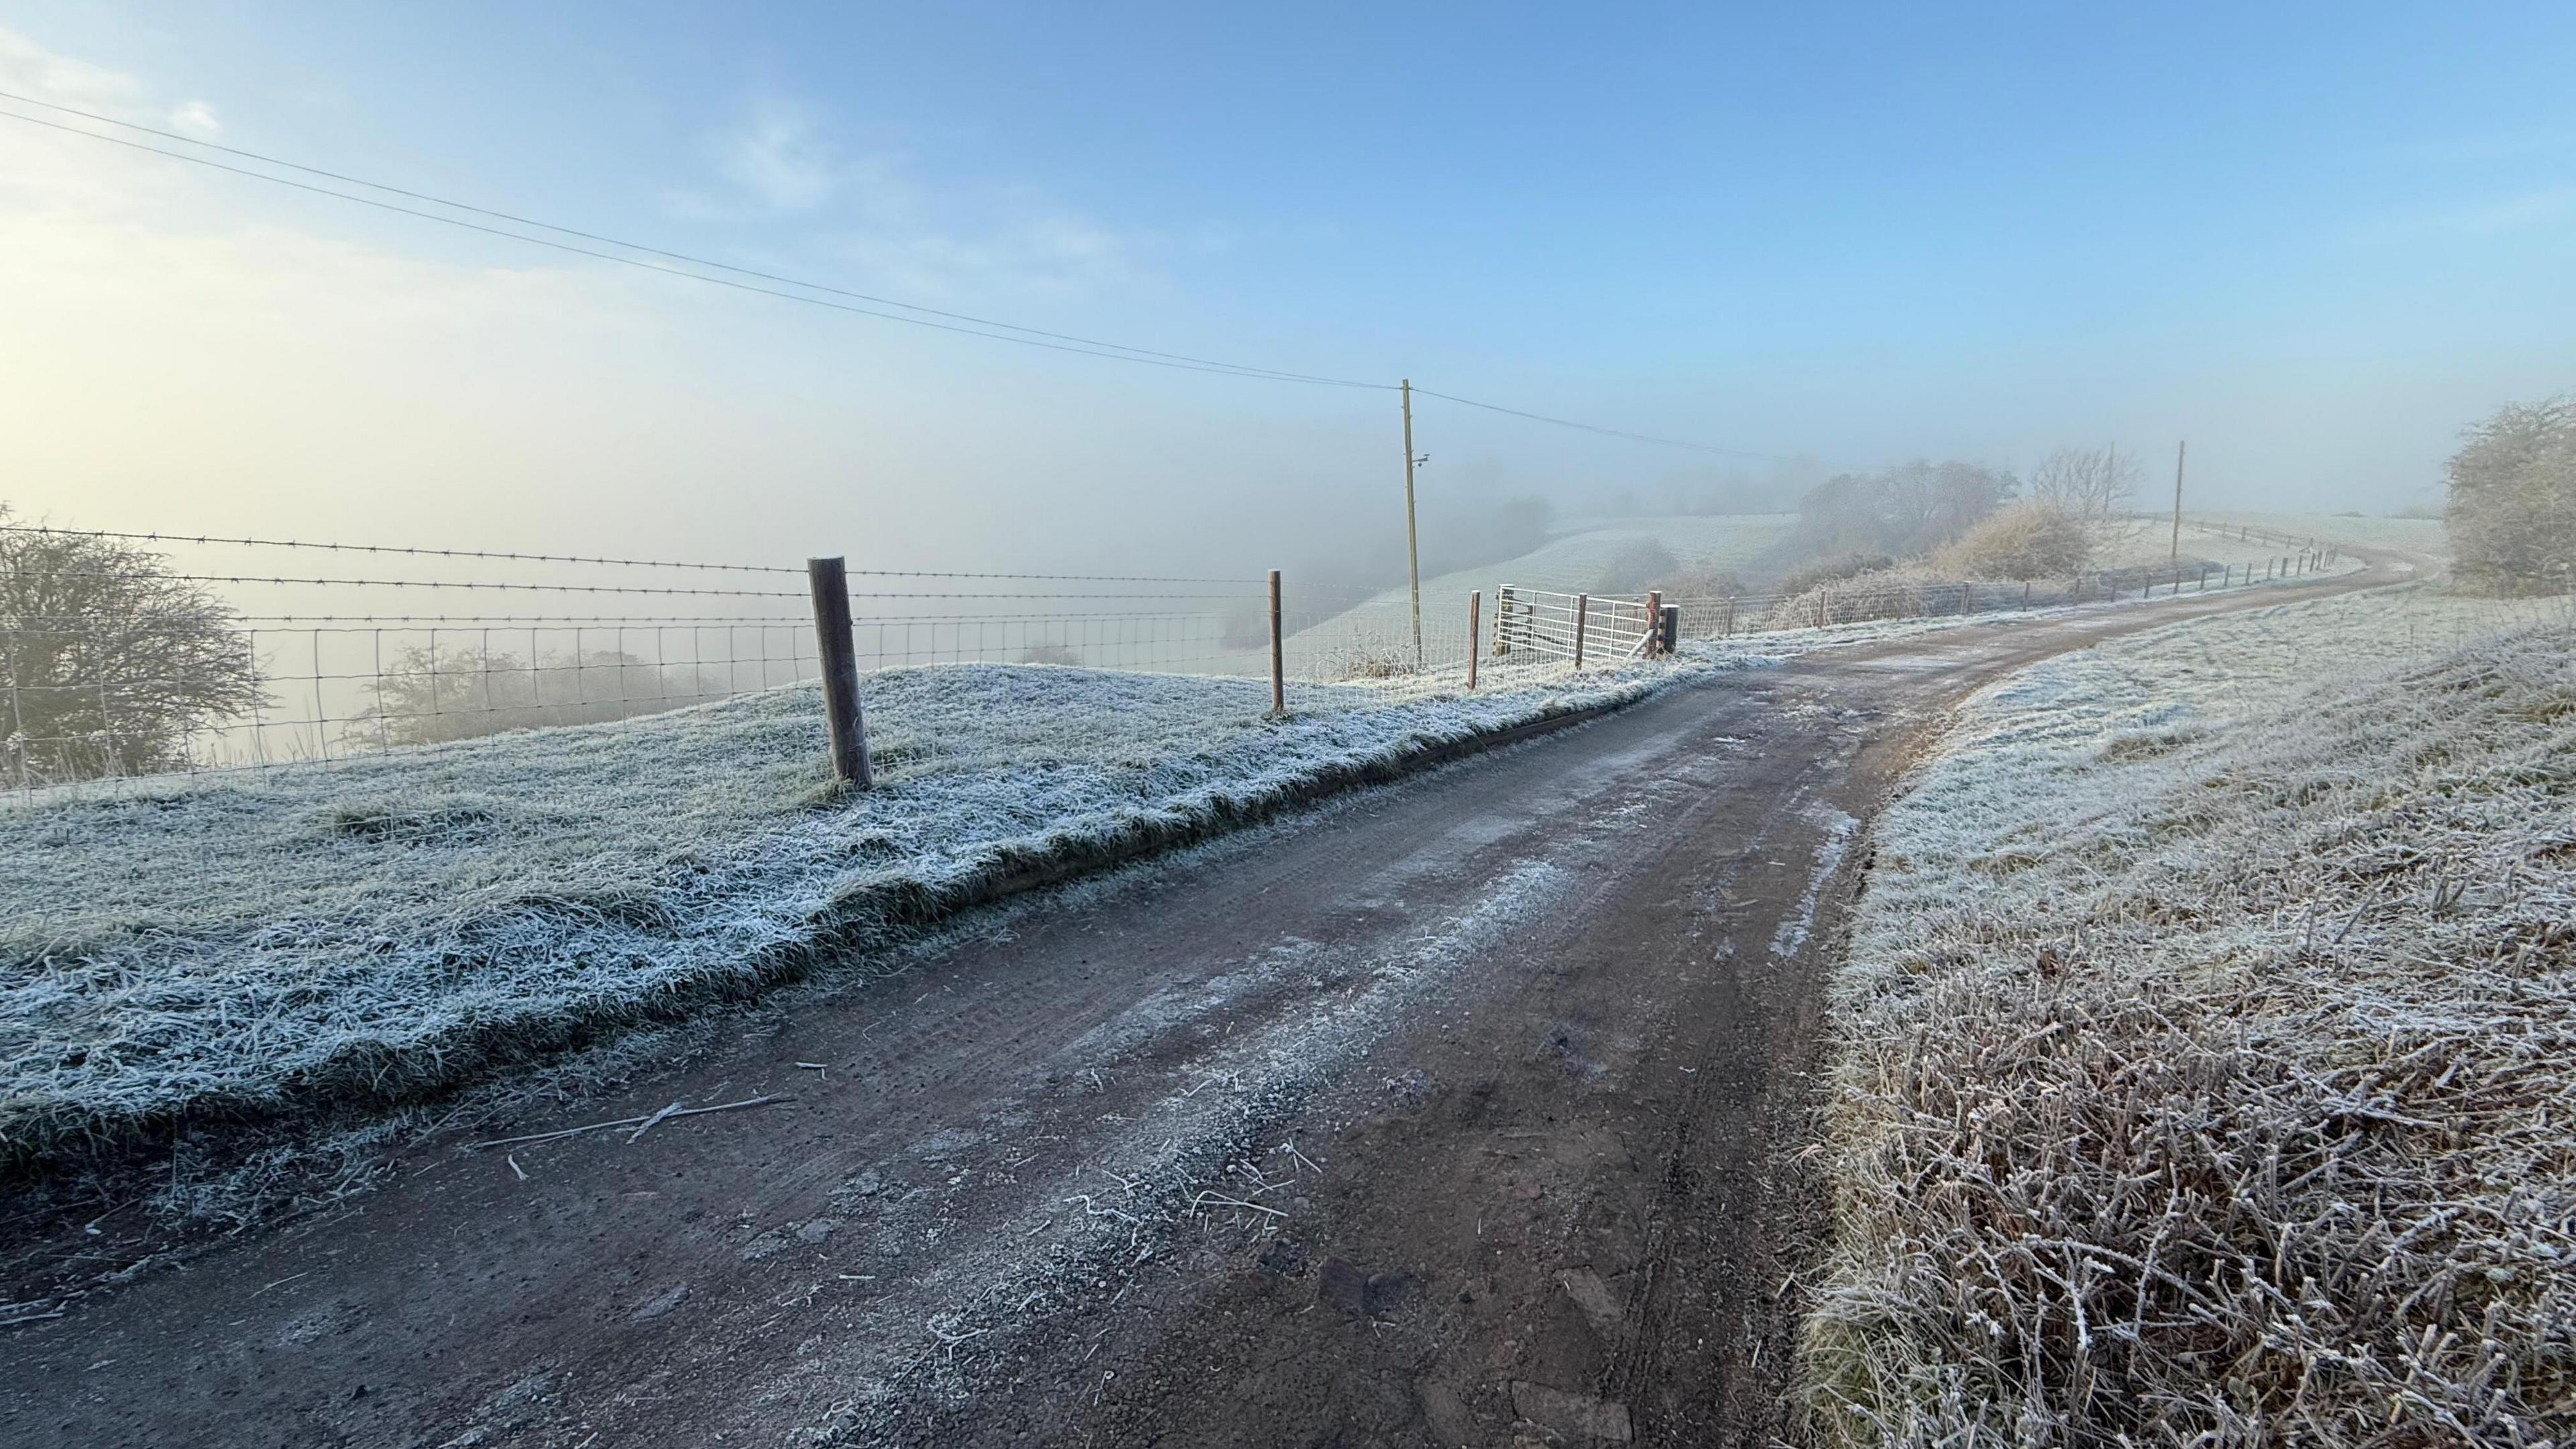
(2512, 515)
(1832, 571)
(2037, 539)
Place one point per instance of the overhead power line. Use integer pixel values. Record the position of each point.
(936, 319)
(695, 261)
(1107, 349)
(1606, 432)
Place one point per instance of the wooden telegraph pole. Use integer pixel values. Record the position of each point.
(1412, 550)
(2177, 528)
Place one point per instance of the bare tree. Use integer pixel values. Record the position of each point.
(110, 663)
(2512, 515)
(2093, 484)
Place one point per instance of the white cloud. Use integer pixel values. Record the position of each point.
(30, 69)
(195, 118)
(882, 225)
(775, 158)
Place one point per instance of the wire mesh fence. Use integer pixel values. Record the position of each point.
(129, 655)
(132, 655)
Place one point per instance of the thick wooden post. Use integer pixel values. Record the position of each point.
(1727, 629)
(1582, 607)
(1278, 669)
(1654, 622)
(1475, 626)
(848, 728)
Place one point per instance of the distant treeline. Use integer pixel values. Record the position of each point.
(428, 697)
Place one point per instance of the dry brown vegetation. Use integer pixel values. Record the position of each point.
(2242, 1112)
(2034, 539)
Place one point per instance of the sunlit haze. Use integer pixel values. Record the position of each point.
(2315, 242)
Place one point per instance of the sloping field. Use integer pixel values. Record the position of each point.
(2207, 1055)
(390, 924)
(1577, 558)
(2150, 544)
(1381, 628)
(2415, 535)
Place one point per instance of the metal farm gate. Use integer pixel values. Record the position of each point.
(1578, 628)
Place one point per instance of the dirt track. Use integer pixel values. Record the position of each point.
(1462, 1111)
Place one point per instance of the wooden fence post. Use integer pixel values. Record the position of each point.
(829, 580)
(1278, 672)
(1654, 622)
(1582, 608)
(1475, 608)
(1727, 630)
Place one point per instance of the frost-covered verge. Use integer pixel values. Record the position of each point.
(240, 945)
(2206, 1062)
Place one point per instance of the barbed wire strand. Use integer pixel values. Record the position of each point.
(159, 537)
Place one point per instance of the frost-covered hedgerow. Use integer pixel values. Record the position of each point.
(2206, 1063)
(383, 926)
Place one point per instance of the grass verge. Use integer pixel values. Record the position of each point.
(2206, 1062)
(379, 930)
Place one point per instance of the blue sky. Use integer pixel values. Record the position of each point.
(2314, 239)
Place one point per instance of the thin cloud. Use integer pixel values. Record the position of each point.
(30, 69)
(775, 158)
(885, 226)
(195, 118)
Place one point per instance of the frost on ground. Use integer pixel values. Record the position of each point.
(2206, 1063)
(380, 927)
(2413, 535)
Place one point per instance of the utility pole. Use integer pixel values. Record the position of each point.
(1412, 547)
(2177, 528)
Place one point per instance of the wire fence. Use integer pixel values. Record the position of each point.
(134, 655)
(1893, 596)
(131, 655)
